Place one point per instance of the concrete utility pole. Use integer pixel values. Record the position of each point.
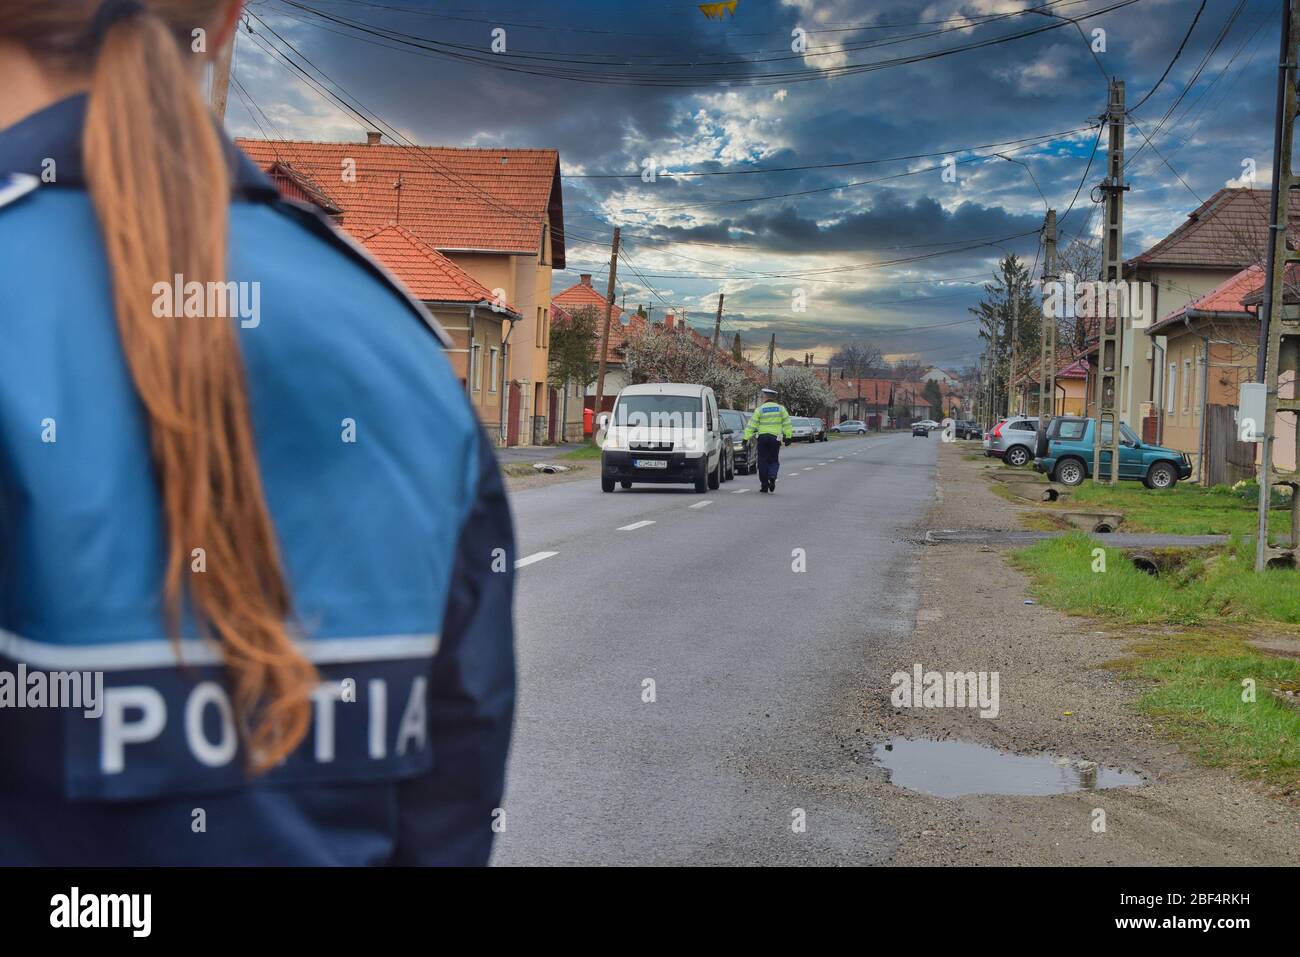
(717, 323)
(771, 355)
(1279, 336)
(1047, 354)
(1015, 341)
(604, 334)
(221, 77)
(1110, 329)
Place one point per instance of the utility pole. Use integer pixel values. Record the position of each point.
(604, 334)
(1110, 328)
(1047, 354)
(221, 77)
(717, 323)
(1015, 338)
(1277, 332)
(771, 355)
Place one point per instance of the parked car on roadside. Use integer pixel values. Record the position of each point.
(801, 429)
(1013, 440)
(930, 424)
(662, 432)
(968, 429)
(921, 429)
(1070, 448)
(850, 427)
(744, 452)
(819, 429)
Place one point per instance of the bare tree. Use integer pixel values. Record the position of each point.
(858, 359)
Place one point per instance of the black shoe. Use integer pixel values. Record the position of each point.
(763, 488)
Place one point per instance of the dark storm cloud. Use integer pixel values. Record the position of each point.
(1036, 85)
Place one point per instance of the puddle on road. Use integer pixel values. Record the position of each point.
(956, 768)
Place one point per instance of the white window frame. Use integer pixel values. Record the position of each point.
(1187, 386)
(492, 368)
(1171, 389)
(475, 368)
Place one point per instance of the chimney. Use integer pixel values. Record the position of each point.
(585, 279)
(373, 137)
(670, 321)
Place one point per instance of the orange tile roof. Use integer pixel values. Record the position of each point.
(427, 273)
(450, 197)
(1228, 230)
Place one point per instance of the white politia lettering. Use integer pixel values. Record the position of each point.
(223, 752)
(378, 717)
(118, 732)
(414, 726)
(326, 695)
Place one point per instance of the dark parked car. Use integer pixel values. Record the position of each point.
(744, 452)
(968, 429)
(920, 429)
(1069, 455)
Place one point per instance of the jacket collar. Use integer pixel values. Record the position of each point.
(54, 133)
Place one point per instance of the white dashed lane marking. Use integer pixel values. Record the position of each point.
(701, 504)
(739, 491)
(535, 557)
(634, 526)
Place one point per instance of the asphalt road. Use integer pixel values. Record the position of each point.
(756, 667)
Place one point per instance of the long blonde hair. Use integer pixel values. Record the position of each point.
(157, 172)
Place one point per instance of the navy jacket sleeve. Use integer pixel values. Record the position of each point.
(446, 816)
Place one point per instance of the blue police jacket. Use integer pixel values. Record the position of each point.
(392, 523)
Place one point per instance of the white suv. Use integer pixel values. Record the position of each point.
(662, 432)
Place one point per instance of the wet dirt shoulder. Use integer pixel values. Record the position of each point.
(1056, 697)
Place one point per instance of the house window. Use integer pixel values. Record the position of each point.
(475, 370)
(543, 337)
(492, 370)
(545, 258)
(1187, 385)
(1171, 389)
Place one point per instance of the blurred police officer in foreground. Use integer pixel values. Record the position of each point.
(283, 542)
(771, 422)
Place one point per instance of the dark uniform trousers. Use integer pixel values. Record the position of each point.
(769, 456)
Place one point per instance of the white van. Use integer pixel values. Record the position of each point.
(662, 432)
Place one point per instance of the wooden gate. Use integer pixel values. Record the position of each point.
(554, 415)
(1227, 460)
(512, 423)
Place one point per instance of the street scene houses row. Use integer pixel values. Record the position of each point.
(475, 235)
(1192, 343)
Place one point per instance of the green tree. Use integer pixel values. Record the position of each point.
(737, 352)
(935, 398)
(1011, 282)
(573, 347)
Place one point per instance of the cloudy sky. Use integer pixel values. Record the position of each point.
(844, 246)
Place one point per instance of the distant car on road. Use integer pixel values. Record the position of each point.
(1069, 455)
(744, 452)
(921, 429)
(850, 427)
(664, 433)
(929, 424)
(1013, 440)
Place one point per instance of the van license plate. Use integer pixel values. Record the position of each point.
(649, 463)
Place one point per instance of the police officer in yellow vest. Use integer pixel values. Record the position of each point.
(771, 422)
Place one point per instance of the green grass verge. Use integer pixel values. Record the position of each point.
(1181, 510)
(1195, 676)
(1194, 586)
(588, 450)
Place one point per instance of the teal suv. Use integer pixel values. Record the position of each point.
(1066, 451)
